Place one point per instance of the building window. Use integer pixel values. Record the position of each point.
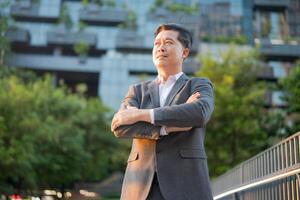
(271, 25)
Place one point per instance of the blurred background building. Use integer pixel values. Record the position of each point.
(107, 44)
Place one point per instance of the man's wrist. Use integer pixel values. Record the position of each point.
(163, 131)
(151, 113)
(168, 129)
(144, 115)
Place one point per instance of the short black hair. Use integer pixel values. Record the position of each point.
(184, 36)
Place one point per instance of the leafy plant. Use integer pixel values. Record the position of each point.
(81, 26)
(175, 7)
(291, 85)
(64, 17)
(130, 22)
(81, 48)
(4, 24)
(237, 39)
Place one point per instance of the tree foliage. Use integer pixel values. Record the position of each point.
(4, 23)
(291, 85)
(234, 132)
(50, 138)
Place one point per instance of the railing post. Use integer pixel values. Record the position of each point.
(236, 196)
(298, 179)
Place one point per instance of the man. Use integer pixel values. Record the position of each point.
(166, 119)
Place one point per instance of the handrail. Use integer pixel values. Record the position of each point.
(277, 162)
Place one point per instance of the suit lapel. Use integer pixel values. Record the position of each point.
(154, 93)
(176, 88)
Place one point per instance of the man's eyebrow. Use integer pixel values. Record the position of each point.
(157, 39)
(170, 39)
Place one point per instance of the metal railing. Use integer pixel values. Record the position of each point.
(271, 175)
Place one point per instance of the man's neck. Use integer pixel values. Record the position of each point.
(165, 75)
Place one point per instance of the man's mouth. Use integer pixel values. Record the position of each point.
(161, 56)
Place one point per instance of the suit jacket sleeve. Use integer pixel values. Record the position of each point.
(142, 130)
(195, 114)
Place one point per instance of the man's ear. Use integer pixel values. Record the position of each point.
(185, 53)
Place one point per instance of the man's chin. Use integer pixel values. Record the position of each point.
(161, 61)
(161, 64)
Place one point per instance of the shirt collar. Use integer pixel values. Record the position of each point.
(172, 78)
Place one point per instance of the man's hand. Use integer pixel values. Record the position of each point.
(191, 99)
(128, 116)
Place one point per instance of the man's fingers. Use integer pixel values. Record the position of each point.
(115, 125)
(197, 94)
(131, 107)
(115, 122)
(193, 97)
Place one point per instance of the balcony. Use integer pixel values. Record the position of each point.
(165, 16)
(25, 10)
(129, 40)
(279, 50)
(95, 15)
(266, 73)
(63, 37)
(18, 36)
(54, 63)
(271, 4)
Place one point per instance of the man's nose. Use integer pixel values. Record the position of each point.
(161, 48)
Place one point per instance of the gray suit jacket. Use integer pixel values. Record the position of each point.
(178, 158)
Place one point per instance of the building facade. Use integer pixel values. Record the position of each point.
(271, 25)
(275, 31)
(106, 45)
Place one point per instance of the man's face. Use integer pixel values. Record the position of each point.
(168, 51)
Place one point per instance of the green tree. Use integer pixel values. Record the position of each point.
(4, 23)
(233, 133)
(291, 85)
(50, 138)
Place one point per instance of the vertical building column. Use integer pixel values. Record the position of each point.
(113, 82)
(247, 26)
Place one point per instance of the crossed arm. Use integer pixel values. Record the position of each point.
(135, 123)
(130, 115)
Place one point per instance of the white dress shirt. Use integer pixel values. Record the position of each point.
(164, 90)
